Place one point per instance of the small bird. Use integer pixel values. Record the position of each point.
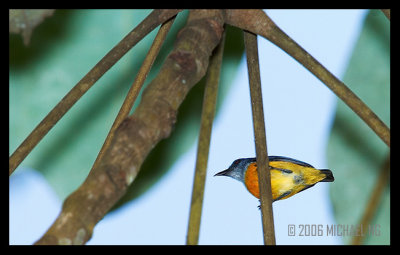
(288, 176)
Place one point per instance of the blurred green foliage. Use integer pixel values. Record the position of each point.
(355, 153)
(62, 50)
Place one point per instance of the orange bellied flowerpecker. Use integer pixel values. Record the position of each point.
(288, 176)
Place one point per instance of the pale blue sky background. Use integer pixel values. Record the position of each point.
(299, 111)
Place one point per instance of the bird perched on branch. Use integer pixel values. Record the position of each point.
(288, 176)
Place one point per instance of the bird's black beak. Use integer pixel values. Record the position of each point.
(223, 173)
(329, 176)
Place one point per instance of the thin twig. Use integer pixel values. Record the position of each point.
(153, 20)
(264, 177)
(137, 84)
(207, 117)
(257, 21)
(374, 201)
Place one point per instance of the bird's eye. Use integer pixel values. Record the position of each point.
(236, 162)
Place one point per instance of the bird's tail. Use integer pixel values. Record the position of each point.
(328, 175)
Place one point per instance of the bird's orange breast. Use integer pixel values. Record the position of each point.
(278, 182)
(251, 180)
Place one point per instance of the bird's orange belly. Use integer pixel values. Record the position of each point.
(278, 187)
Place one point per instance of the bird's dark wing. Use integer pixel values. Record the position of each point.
(282, 196)
(291, 160)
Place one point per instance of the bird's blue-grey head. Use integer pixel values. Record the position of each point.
(237, 169)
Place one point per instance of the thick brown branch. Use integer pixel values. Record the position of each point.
(256, 21)
(151, 122)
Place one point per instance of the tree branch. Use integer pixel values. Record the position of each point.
(386, 12)
(203, 147)
(374, 200)
(264, 176)
(151, 122)
(257, 21)
(137, 85)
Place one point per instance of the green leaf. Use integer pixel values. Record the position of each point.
(62, 50)
(355, 153)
